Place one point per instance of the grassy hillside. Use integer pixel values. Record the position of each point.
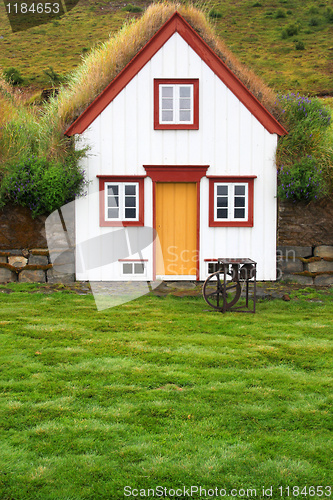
(259, 32)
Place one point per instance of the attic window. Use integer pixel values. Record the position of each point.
(176, 104)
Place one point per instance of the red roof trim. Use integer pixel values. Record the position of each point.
(176, 23)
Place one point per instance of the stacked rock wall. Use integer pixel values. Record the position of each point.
(306, 265)
(34, 266)
(24, 254)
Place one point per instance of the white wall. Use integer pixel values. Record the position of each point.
(122, 139)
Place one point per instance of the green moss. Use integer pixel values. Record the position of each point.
(309, 260)
(28, 267)
(40, 251)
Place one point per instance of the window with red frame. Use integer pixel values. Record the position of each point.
(231, 201)
(121, 201)
(176, 104)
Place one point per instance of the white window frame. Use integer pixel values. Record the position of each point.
(122, 197)
(176, 99)
(231, 202)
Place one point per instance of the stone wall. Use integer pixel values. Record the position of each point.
(19, 230)
(35, 266)
(306, 265)
(305, 224)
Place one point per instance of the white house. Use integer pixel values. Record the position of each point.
(179, 145)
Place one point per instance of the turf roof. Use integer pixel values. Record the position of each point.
(104, 62)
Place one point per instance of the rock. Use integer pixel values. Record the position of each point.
(324, 280)
(7, 276)
(17, 261)
(27, 276)
(324, 251)
(299, 278)
(56, 277)
(290, 266)
(291, 252)
(39, 260)
(320, 266)
(64, 257)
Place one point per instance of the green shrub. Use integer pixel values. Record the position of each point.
(42, 185)
(292, 29)
(215, 14)
(313, 10)
(132, 8)
(301, 181)
(299, 46)
(257, 4)
(305, 157)
(329, 14)
(280, 14)
(314, 21)
(13, 76)
(54, 77)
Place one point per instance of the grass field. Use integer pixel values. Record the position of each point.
(256, 31)
(164, 392)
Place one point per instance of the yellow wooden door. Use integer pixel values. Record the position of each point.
(176, 225)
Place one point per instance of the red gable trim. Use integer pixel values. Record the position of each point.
(176, 23)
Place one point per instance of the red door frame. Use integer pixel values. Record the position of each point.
(176, 173)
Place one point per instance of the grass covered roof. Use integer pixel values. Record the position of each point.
(105, 61)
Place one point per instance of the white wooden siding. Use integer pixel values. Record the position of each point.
(231, 140)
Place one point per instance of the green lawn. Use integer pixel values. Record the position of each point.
(164, 392)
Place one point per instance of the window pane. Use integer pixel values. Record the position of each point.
(222, 201)
(167, 116)
(239, 202)
(184, 116)
(222, 190)
(113, 190)
(185, 104)
(113, 213)
(167, 91)
(113, 201)
(167, 104)
(139, 268)
(130, 190)
(185, 91)
(222, 213)
(239, 213)
(130, 213)
(127, 268)
(240, 190)
(130, 201)
(212, 267)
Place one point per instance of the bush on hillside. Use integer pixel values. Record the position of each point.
(215, 14)
(13, 76)
(42, 185)
(305, 156)
(299, 45)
